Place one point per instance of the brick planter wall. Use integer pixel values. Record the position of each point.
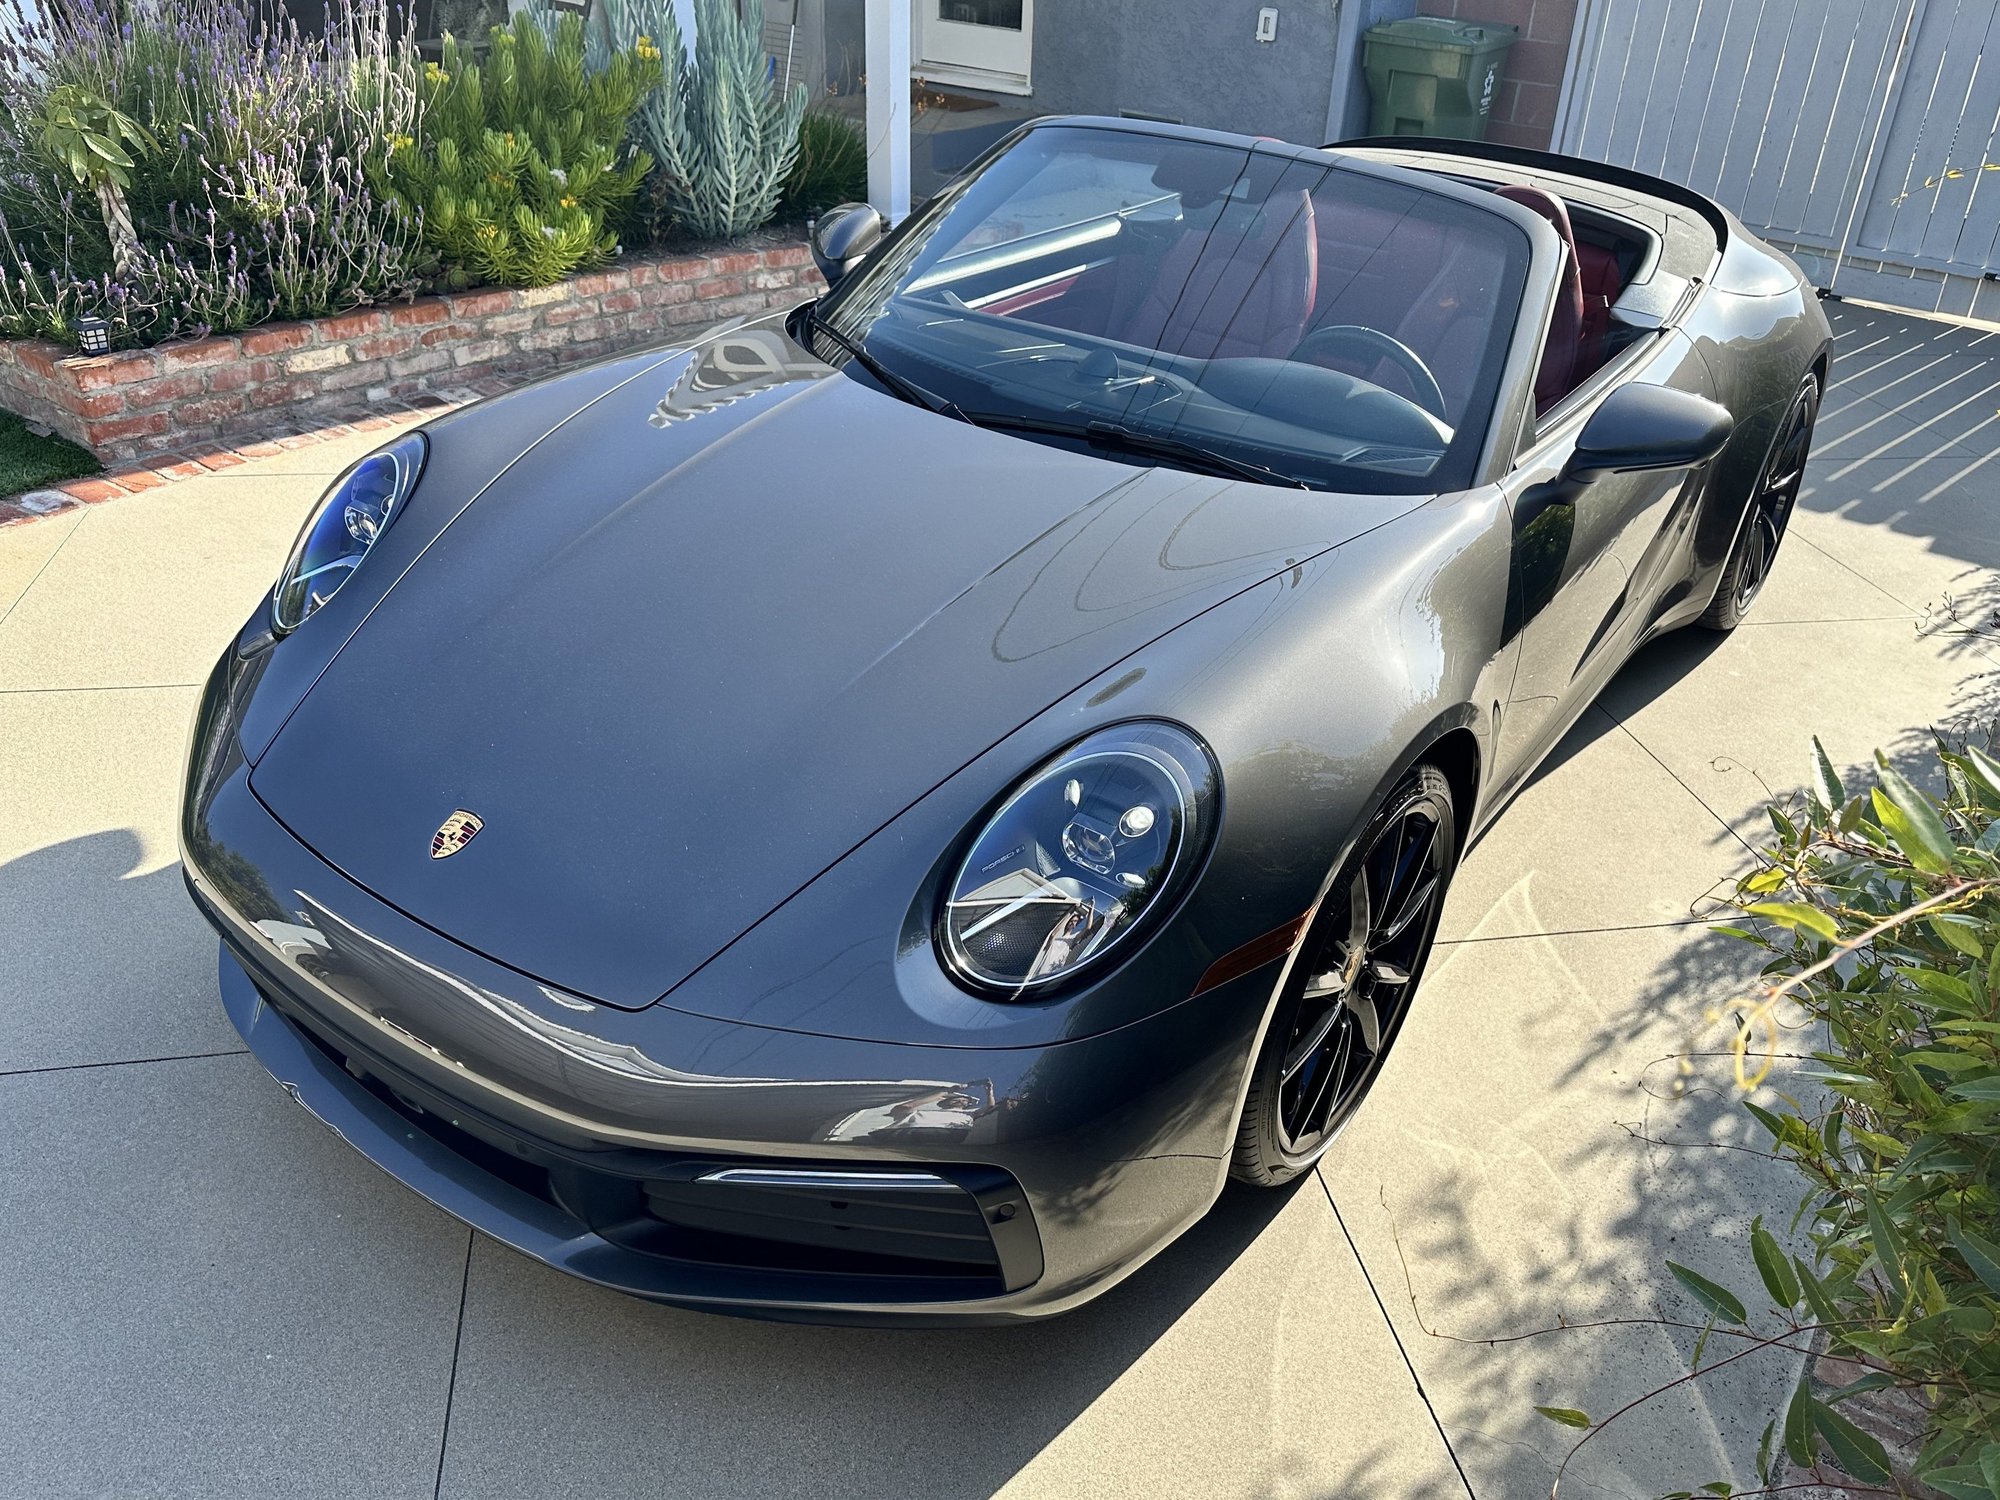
(199, 394)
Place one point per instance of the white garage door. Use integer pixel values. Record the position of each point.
(1859, 133)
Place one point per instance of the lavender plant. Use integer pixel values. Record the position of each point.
(248, 194)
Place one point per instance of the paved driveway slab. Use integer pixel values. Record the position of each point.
(208, 1294)
(1248, 1361)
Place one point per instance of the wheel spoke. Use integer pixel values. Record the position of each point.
(1367, 1013)
(1303, 1050)
(1360, 917)
(1412, 908)
(1414, 857)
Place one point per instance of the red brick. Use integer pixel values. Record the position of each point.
(596, 283)
(735, 263)
(121, 428)
(200, 352)
(261, 449)
(94, 374)
(137, 481)
(90, 491)
(354, 325)
(101, 404)
(621, 302)
(502, 324)
(571, 312)
(185, 468)
(233, 377)
(449, 334)
(480, 351)
(1537, 62)
(685, 268)
(167, 388)
(276, 340)
(1552, 21)
(222, 458)
(386, 346)
(415, 314)
(544, 339)
(719, 286)
(419, 364)
(478, 304)
(193, 417)
(39, 357)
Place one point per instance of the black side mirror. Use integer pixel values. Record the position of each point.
(1640, 427)
(842, 238)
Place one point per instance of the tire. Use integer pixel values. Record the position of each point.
(1348, 993)
(1772, 499)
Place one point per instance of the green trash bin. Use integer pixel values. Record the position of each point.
(1430, 75)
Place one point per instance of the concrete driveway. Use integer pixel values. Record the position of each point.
(204, 1293)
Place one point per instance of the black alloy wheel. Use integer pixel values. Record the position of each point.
(1771, 504)
(1351, 985)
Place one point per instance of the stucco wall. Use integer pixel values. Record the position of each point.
(1197, 62)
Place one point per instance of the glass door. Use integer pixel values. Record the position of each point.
(985, 44)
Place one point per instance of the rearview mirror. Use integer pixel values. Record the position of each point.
(1641, 427)
(842, 238)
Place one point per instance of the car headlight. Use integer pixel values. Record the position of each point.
(1074, 863)
(361, 503)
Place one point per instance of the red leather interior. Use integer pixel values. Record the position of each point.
(1245, 287)
(1602, 283)
(1561, 355)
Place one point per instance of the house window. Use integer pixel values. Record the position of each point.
(986, 44)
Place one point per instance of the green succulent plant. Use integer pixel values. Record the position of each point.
(523, 165)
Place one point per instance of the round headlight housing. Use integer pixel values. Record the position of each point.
(356, 510)
(1087, 852)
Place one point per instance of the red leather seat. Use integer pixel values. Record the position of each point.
(1561, 355)
(1245, 287)
(1601, 284)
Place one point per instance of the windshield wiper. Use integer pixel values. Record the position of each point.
(1134, 440)
(900, 386)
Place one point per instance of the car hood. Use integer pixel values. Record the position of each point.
(684, 657)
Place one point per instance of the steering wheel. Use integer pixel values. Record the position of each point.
(1322, 342)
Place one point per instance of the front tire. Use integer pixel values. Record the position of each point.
(1771, 501)
(1350, 988)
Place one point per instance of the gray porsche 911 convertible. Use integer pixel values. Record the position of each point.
(876, 814)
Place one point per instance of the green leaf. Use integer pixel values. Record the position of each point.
(1825, 783)
(1911, 820)
(1984, 1089)
(1859, 1453)
(1772, 1265)
(1959, 1482)
(1874, 1380)
(1981, 1254)
(1817, 1297)
(1568, 1416)
(1961, 933)
(1888, 1245)
(1799, 1423)
(1718, 1300)
(1764, 1452)
(1984, 768)
(1718, 1487)
(1764, 881)
(1795, 914)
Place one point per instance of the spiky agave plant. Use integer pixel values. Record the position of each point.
(724, 135)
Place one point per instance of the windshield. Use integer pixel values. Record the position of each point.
(1201, 304)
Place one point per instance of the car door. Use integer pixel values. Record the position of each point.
(1590, 562)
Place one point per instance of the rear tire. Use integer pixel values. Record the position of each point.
(1772, 499)
(1350, 988)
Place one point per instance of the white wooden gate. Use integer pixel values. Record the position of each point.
(1859, 134)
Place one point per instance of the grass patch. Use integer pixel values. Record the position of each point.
(28, 462)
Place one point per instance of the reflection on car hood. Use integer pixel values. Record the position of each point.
(682, 658)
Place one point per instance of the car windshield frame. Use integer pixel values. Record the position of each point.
(894, 307)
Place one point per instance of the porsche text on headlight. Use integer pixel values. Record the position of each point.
(1078, 858)
(361, 503)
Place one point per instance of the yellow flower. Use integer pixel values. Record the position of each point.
(568, 202)
(435, 75)
(400, 143)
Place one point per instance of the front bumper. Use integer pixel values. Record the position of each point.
(573, 1132)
